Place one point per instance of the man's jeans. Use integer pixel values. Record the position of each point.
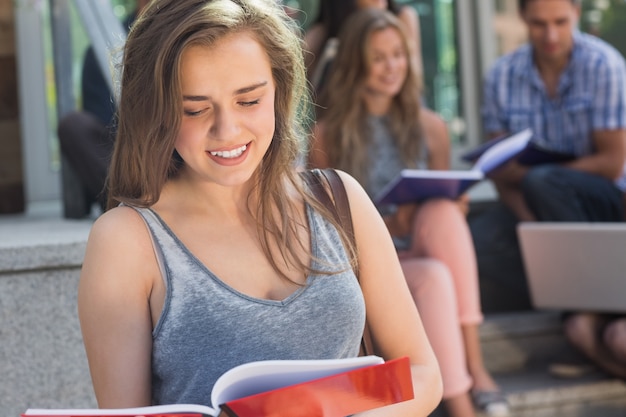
(553, 193)
(559, 194)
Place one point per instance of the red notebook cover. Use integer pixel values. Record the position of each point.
(333, 396)
(69, 414)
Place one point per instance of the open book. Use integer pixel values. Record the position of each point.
(532, 154)
(417, 185)
(286, 388)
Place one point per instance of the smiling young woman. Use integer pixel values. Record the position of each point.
(214, 252)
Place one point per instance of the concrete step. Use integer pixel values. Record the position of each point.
(535, 393)
(519, 347)
(36, 242)
(514, 341)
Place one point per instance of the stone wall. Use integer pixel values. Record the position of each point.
(42, 358)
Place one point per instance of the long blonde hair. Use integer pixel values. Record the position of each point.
(149, 112)
(342, 105)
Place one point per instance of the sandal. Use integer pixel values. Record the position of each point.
(491, 403)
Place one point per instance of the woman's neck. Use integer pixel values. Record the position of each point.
(377, 104)
(207, 198)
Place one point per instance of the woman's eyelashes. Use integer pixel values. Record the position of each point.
(250, 103)
(198, 112)
(193, 113)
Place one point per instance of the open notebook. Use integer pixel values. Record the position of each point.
(575, 266)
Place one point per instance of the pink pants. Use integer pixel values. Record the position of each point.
(442, 275)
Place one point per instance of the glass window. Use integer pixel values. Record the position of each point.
(605, 19)
(440, 60)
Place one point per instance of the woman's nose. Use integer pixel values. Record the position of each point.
(225, 125)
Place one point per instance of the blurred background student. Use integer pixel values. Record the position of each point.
(86, 136)
(321, 38)
(371, 125)
(570, 89)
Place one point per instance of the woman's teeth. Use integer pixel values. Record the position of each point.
(230, 154)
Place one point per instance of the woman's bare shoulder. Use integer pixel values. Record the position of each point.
(120, 255)
(121, 218)
(431, 119)
(356, 193)
(118, 231)
(434, 126)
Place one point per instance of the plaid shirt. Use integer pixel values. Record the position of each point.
(591, 95)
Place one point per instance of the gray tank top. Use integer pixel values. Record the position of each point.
(384, 156)
(206, 327)
(385, 163)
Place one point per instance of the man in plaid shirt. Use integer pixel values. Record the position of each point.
(570, 89)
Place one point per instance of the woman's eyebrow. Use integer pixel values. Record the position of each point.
(251, 88)
(239, 91)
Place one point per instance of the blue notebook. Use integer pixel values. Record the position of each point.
(417, 185)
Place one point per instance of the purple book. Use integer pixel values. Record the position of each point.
(417, 185)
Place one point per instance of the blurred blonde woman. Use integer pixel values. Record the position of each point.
(321, 38)
(371, 125)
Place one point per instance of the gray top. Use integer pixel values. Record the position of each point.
(206, 327)
(385, 164)
(384, 156)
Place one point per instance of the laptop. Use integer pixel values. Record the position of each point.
(575, 266)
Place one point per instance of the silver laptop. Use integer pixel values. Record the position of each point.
(575, 266)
